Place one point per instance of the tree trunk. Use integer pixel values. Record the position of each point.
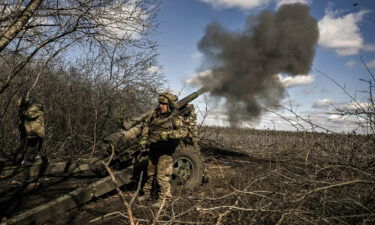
(17, 26)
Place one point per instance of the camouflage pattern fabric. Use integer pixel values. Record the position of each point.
(160, 161)
(192, 137)
(191, 125)
(168, 98)
(34, 122)
(159, 167)
(32, 134)
(164, 171)
(32, 153)
(157, 123)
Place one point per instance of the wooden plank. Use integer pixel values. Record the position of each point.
(73, 199)
(49, 169)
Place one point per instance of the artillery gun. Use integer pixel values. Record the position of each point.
(126, 157)
(187, 167)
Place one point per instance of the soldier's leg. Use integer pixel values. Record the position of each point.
(20, 152)
(151, 170)
(30, 155)
(32, 151)
(147, 187)
(164, 173)
(19, 157)
(42, 154)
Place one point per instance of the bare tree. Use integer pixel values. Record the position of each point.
(85, 60)
(363, 109)
(44, 29)
(16, 26)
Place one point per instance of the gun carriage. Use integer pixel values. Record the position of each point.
(127, 158)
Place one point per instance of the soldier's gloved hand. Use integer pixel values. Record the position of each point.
(164, 135)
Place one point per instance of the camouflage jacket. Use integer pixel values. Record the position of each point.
(156, 123)
(34, 121)
(191, 125)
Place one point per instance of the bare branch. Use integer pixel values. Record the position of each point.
(18, 25)
(132, 219)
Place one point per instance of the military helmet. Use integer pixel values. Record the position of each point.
(168, 98)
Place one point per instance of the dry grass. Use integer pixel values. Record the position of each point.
(284, 178)
(310, 147)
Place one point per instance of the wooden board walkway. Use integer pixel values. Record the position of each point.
(47, 169)
(71, 200)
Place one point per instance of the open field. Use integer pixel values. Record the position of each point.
(309, 147)
(259, 177)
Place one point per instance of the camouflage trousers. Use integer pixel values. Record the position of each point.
(29, 150)
(31, 155)
(160, 167)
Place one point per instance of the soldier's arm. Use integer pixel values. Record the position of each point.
(145, 131)
(146, 128)
(179, 131)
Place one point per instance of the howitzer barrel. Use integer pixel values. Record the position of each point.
(190, 98)
(135, 120)
(180, 104)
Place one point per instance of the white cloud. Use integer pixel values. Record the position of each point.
(299, 80)
(371, 64)
(322, 103)
(215, 115)
(118, 20)
(289, 103)
(341, 33)
(332, 122)
(242, 4)
(350, 63)
(249, 4)
(282, 2)
(194, 79)
(197, 56)
(286, 81)
(369, 47)
(355, 107)
(154, 70)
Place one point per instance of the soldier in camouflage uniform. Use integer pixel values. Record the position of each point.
(190, 121)
(32, 133)
(162, 133)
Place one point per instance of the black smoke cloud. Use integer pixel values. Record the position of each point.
(245, 63)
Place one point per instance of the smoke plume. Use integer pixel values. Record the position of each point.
(245, 65)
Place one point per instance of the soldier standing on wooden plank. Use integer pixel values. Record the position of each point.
(32, 133)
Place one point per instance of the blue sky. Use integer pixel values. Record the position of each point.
(347, 32)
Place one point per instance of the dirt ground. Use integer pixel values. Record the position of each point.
(220, 168)
(241, 190)
(224, 169)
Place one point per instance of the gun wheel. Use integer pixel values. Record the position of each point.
(187, 167)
